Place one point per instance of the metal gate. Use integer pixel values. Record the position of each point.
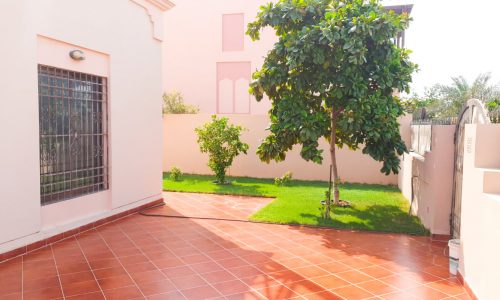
(473, 113)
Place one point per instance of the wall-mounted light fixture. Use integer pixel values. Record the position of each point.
(77, 55)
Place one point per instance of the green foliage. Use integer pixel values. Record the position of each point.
(494, 111)
(221, 141)
(334, 61)
(173, 103)
(175, 174)
(493, 105)
(441, 101)
(373, 207)
(414, 103)
(495, 118)
(283, 180)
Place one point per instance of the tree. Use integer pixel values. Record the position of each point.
(332, 74)
(442, 101)
(222, 143)
(173, 103)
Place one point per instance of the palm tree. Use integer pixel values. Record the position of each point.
(448, 100)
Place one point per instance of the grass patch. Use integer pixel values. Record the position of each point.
(374, 207)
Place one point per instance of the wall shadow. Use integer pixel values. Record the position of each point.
(268, 276)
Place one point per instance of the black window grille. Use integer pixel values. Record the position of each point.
(73, 134)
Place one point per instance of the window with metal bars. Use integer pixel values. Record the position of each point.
(73, 134)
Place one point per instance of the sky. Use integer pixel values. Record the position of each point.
(452, 38)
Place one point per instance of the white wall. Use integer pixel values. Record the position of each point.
(123, 31)
(480, 222)
(19, 163)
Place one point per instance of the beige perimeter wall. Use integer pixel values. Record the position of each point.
(180, 149)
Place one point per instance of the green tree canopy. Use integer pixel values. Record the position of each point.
(173, 103)
(332, 73)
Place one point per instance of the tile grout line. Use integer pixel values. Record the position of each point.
(273, 277)
(149, 259)
(214, 261)
(220, 198)
(121, 264)
(22, 277)
(131, 213)
(429, 283)
(397, 274)
(57, 271)
(254, 290)
(243, 244)
(319, 266)
(179, 258)
(218, 237)
(90, 267)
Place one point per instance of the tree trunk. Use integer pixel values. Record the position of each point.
(333, 139)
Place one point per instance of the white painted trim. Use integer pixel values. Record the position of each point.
(154, 10)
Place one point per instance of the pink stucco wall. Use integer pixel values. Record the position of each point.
(432, 177)
(122, 43)
(195, 47)
(479, 234)
(181, 150)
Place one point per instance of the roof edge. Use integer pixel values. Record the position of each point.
(163, 5)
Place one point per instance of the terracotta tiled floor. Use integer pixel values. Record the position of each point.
(207, 205)
(160, 258)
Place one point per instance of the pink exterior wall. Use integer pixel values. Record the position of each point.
(432, 176)
(194, 49)
(181, 150)
(121, 39)
(480, 222)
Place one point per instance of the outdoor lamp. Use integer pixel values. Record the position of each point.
(77, 55)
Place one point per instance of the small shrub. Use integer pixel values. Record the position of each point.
(222, 143)
(283, 180)
(173, 103)
(175, 174)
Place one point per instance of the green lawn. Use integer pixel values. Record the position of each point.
(374, 207)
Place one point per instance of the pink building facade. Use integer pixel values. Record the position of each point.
(209, 59)
(81, 134)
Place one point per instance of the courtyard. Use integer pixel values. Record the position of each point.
(256, 149)
(141, 257)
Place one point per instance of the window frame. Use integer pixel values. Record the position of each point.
(73, 132)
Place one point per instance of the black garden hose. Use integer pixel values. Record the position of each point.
(143, 213)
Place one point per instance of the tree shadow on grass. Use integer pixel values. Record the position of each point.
(235, 188)
(379, 218)
(240, 186)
